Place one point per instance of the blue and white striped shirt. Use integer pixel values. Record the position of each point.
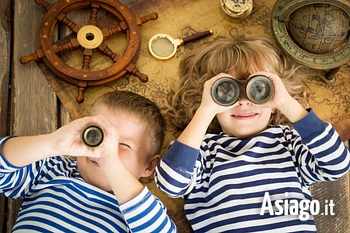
(224, 183)
(57, 199)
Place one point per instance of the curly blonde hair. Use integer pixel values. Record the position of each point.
(239, 57)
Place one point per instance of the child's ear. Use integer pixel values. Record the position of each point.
(273, 110)
(151, 166)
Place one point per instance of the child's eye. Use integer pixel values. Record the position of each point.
(124, 144)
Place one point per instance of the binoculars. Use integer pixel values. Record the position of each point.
(258, 89)
(92, 136)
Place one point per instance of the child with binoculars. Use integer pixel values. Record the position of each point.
(99, 191)
(246, 142)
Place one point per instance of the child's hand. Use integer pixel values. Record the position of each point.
(281, 96)
(283, 101)
(67, 139)
(108, 154)
(208, 101)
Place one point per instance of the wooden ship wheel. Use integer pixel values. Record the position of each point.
(89, 38)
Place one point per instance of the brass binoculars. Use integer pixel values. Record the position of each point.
(258, 89)
(92, 136)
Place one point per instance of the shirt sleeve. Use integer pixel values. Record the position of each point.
(319, 152)
(17, 182)
(179, 170)
(146, 213)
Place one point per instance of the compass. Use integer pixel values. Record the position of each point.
(237, 8)
(322, 61)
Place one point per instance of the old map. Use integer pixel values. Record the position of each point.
(180, 18)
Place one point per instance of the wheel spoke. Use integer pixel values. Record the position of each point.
(36, 56)
(56, 48)
(94, 11)
(71, 25)
(87, 59)
(107, 32)
(81, 90)
(71, 45)
(104, 49)
(44, 4)
(146, 18)
(132, 69)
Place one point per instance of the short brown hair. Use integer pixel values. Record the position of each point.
(140, 107)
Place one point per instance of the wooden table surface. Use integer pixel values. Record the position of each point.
(34, 101)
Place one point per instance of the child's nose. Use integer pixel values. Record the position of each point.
(244, 101)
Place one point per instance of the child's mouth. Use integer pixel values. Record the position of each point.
(244, 116)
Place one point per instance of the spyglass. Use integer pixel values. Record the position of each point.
(92, 136)
(163, 46)
(258, 89)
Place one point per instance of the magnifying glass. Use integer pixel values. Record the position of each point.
(163, 46)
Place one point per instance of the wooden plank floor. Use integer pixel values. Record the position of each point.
(33, 106)
(5, 37)
(28, 106)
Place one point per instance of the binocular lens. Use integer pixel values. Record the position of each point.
(92, 136)
(225, 91)
(260, 89)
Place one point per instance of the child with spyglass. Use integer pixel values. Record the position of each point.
(236, 164)
(98, 191)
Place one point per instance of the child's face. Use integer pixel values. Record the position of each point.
(244, 120)
(133, 148)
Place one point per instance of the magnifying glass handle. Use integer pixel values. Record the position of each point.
(196, 36)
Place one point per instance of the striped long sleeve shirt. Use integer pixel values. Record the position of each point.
(229, 181)
(57, 199)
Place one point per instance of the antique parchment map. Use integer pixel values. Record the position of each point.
(180, 18)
